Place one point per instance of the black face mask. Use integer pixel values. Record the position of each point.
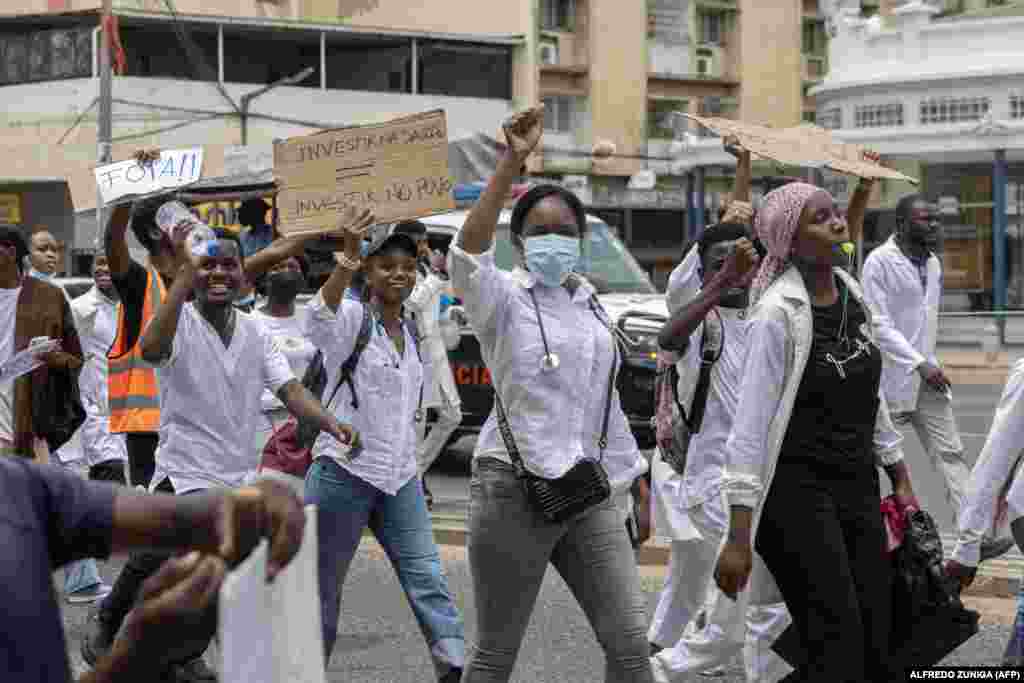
(284, 286)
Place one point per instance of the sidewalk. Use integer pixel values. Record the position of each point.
(977, 367)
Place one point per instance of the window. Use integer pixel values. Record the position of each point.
(264, 57)
(711, 27)
(878, 115)
(354, 64)
(1017, 106)
(831, 118)
(157, 52)
(465, 70)
(720, 107)
(661, 123)
(814, 38)
(32, 56)
(557, 15)
(561, 113)
(954, 109)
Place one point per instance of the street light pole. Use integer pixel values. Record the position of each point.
(104, 124)
(247, 98)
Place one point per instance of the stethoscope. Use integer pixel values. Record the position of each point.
(550, 362)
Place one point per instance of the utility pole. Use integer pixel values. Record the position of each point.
(104, 125)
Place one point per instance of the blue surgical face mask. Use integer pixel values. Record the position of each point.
(552, 257)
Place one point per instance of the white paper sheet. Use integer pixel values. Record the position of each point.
(270, 633)
(25, 360)
(174, 168)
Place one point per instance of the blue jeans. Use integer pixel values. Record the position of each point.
(346, 505)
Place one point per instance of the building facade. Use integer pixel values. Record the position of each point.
(938, 89)
(606, 71)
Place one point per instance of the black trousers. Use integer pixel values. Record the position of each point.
(140, 566)
(142, 456)
(822, 537)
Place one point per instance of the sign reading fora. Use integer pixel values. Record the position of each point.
(174, 168)
(398, 169)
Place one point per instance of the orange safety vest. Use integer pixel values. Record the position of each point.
(134, 393)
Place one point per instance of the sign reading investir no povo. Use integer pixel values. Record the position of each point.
(398, 169)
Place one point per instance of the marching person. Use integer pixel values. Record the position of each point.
(382, 396)
(996, 478)
(43, 254)
(903, 285)
(711, 334)
(50, 517)
(996, 475)
(810, 429)
(439, 390)
(134, 398)
(103, 454)
(553, 357)
(288, 323)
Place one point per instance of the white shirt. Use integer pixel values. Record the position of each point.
(996, 472)
(96, 322)
(8, 309)
(425, 303)
(705, 459)
(292, 336)
(555, 417)
(210, 401)
(905, 317)
(387, 385)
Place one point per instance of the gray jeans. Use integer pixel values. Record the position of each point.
(510, 546)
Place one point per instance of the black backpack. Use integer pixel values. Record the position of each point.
(315, 377)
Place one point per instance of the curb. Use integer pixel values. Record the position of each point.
(998, 578)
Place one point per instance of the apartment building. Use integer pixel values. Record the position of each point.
(606, 69)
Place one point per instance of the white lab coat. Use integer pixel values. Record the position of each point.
(996, 470)
(905, 318)
(438, 381)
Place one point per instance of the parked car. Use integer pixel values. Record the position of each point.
(624, 290)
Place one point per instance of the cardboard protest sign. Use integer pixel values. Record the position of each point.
(398, 168)
(804, 145)
(128, 179)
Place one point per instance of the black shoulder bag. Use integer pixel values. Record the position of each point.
(586, 483)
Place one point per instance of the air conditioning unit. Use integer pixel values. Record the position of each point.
(549, 52)
(708, 61)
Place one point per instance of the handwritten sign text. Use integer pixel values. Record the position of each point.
(174, 168)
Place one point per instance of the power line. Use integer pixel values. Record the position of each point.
(78, 120)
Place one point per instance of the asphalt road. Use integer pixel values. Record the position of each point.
(379, 641)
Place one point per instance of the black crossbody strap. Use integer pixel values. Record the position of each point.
(700, 394)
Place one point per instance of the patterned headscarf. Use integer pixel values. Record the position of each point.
(776, 224)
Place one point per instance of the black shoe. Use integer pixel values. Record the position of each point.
(992, 548)
(98, 640)
(194, 671)
(453, 676)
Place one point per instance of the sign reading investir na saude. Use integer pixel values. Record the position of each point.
(398, 169)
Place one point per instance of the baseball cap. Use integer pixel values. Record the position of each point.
(386, 238)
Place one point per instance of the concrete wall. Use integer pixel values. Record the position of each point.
(770, 71)
(618, 83)
(41, 113)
